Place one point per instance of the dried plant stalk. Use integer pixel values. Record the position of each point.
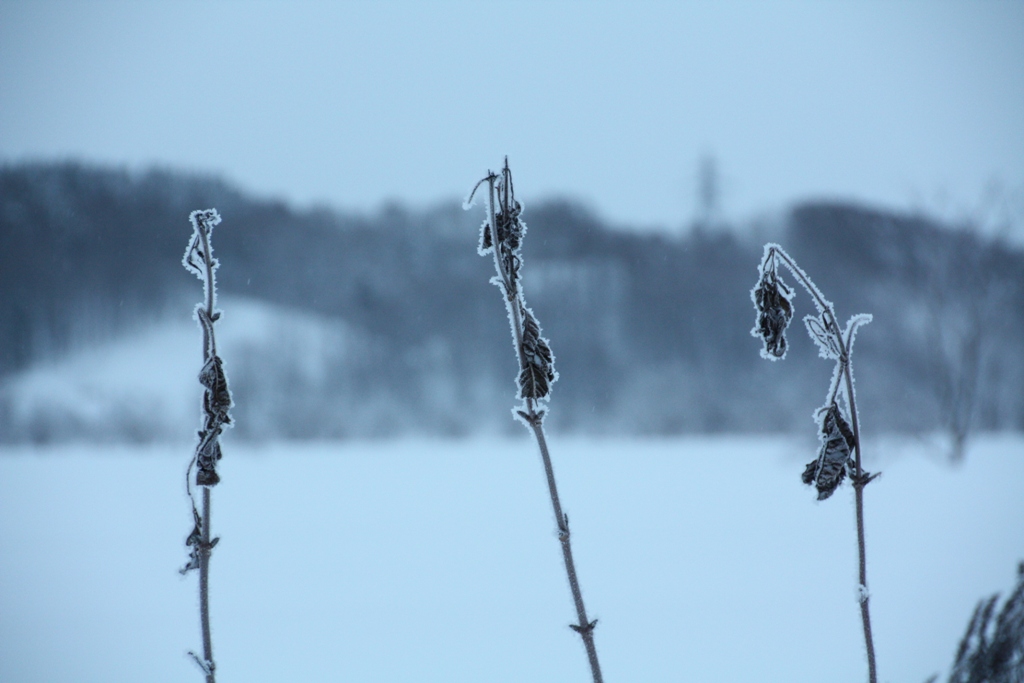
(199, 260)
(840, 452)
(501, 235)
(992, 648)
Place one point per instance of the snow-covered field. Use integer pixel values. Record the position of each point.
(705, 559)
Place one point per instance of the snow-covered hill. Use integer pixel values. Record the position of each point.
(143, 386)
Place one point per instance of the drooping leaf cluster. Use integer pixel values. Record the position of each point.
(827, 471)
(773, 300)
(502, 235)
(216, 403)
(992, 649)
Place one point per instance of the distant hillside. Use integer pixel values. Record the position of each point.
(651, 334)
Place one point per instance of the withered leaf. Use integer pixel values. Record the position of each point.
(772, 298)
(207, 454)
(194, 540)
(216, 403)
(828, 470)
(536, 363)
(217, 399)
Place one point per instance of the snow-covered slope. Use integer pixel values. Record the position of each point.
(143, 386)
(705, 559)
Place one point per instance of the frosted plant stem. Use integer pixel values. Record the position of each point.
(860, 479)
(209, 342)
(216, 402)
(820, 301)
(205, 550)
(535, 418)
(585, 628)
(204, 587)
(862, 565)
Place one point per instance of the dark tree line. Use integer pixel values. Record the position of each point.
(651, 331)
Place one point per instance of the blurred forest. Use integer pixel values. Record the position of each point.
(651, 332)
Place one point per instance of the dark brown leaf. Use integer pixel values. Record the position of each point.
(536, 363)
(837, 442)
(772, 298)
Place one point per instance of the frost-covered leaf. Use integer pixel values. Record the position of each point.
(486, 243)
(536, 363)
(828, 470)
(510, 230)
(216, 403)
(822, 335)
(207, 455)
(772, 298)
(217, 398)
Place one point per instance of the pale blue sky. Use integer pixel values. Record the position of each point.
(903, 104)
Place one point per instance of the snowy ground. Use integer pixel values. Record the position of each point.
(704, 558)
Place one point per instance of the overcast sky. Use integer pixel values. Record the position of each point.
(912, 105)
